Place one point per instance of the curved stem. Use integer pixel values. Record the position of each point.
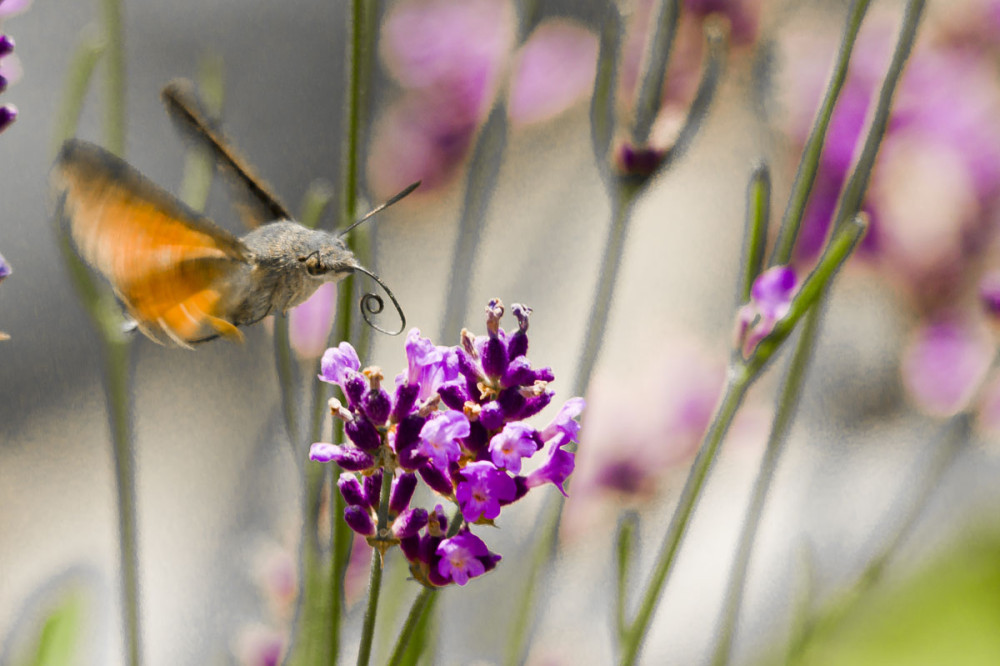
(421, 608)
(114, 119)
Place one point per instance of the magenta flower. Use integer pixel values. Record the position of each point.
(481, 491)
(439, 438)
(5, 269)
(770, 299)
(462, 557)
(515, 441)
(339, 364)
(10, 67)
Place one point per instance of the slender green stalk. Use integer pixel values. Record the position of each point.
(352, 106)
(854, 191)
(114, 119)
(627, 527)
(787, 406)
(117, 360)
(602, 102)
(375, 580)
(483, 173)
(755, 231)
(199, 164)
(809, 164)
(607, 277)
(285, 367)
(738, 382)
(741, 377)
(81, 70)
(419, 612)
(523, 619)
(654, 71)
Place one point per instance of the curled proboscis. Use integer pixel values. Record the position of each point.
(372, 304)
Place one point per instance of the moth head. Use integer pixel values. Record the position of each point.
(329, 263)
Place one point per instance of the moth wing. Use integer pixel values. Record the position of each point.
(175, 271)
(255, 201)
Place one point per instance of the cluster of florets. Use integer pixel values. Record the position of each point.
(456, 420)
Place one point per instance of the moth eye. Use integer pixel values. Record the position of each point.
(313, 265)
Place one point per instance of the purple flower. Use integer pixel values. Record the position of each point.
(409, 523)
(351, 458)
(565, 421)
(945, 364)
(428, 366)
(439, 438)
(360, 520)
(481, 491)
(402, 492)
(462, 557)
(339, 363)
(770, 299)
(5, 268)
(351, 489)
(515, 441)
(989, 292)
(556, 468)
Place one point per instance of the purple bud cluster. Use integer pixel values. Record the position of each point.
(456, 421)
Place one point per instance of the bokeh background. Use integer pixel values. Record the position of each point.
(217, 481)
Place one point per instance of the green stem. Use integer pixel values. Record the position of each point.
(483, 173)
(352, 104)
(614, 250)
(809, 164)
(285, 367)
(81, 70)
(787, 406)
(627, 527)
(602, 102)
(118, 384)
(114, 119)
(199, 163)
(523, 620)
(738, 382)
(419, 611)
(375, 580)
(654, 70)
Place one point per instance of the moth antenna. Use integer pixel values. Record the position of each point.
(379, 209)
(372, 304)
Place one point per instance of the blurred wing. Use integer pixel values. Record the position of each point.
(254, 200)
(173, 269)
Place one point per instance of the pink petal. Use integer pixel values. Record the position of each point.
(555, 69)
(944, 366)
(309, 324)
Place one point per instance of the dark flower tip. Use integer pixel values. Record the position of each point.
(6, 45)
(8, 113)
(639, 161)
(3, 83)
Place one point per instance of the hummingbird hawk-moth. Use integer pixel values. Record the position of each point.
(181, 278)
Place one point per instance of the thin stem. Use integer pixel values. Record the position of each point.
(81, 70)
(614, 250)
(285, 367)
(809, 164)
(755, 231)
(199, 163)
(375, 580)
(114, 119)
(352, 105)
(523, 620)
(602, 102)
(654, 70)
(787, 406)
(118, 383)
(419, 611)
(483, 172)
(857, 184)
(623, 559)
(739, 380)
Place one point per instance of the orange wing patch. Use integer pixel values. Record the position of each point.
(173, 269)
